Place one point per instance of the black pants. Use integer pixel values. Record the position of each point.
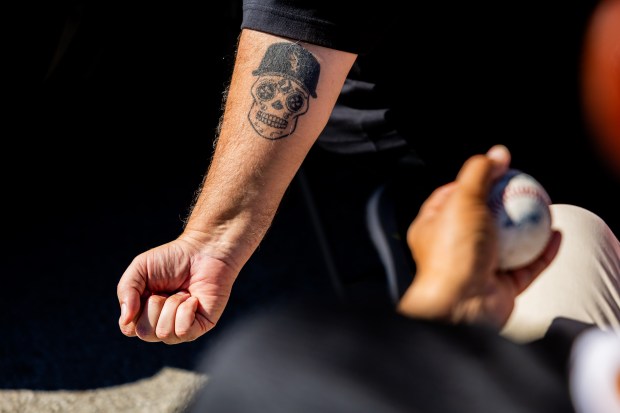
(308, 358)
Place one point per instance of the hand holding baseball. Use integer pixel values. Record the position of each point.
(454, 244)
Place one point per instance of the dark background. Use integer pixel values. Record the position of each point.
(106, 143)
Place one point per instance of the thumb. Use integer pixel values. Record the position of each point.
(480, 171)
(129, 290)
(130, 306)
(500, 157)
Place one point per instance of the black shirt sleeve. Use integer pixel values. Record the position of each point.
(344, 25)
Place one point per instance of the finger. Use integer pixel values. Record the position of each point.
(129, 329)
(166, 322)
(476, 175)
(130, 288)
(145, 327)
(190, 325)
(480, 171)
(437, 198)
(524, 277)
(500, 156)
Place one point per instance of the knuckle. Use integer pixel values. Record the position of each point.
(157, 299)
(129, 332)
(145, 333)
(184, 334)
(164, 335)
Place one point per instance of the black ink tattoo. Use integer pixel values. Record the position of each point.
(287, 76)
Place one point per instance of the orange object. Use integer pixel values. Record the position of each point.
(601, 79)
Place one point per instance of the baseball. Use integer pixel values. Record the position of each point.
(521, 208)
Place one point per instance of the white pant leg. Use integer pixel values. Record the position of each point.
(582, 283)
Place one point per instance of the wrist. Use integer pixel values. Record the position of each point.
(232, 240)
(425, 301)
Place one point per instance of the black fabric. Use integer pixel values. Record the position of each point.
(419, 71)
(333, 359)
(344, 25)
(443, 79)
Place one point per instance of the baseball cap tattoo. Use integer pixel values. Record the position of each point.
(287, 76)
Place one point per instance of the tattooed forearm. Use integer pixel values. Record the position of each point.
(287, 76)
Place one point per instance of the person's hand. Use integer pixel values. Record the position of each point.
(454, 244)
(176, 292)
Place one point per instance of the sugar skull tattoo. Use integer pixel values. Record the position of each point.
(287, 77)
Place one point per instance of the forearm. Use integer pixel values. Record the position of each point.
(256, 158)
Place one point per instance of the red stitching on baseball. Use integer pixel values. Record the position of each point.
(527, 191)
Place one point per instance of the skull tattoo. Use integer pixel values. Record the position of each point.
(278, 101)
(287, 77)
